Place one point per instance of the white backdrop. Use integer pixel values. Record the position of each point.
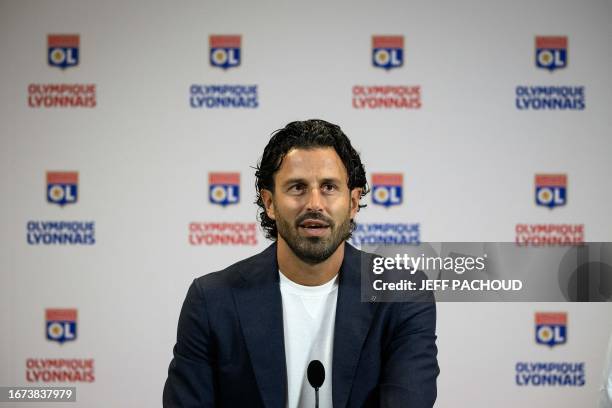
(143, 155)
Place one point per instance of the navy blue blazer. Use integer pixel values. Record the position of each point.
(230, 343)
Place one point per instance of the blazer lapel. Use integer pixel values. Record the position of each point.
(353, 319)
(260, 310)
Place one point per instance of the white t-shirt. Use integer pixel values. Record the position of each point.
(309, 315)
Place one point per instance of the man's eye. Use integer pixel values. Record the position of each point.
(297, 188)
(329, 187)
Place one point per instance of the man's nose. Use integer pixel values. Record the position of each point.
(315, 202)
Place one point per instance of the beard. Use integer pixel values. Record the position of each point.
(313, 250)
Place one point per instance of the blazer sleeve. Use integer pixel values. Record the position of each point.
(410, 366)
(190, 380)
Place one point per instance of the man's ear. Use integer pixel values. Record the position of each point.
(266, 196)
(355, 197)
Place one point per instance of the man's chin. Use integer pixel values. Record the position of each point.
(312, 258)
(318, 250)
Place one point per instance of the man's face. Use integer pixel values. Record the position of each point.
(311, 203)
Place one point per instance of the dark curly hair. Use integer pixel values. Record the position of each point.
(308, 134)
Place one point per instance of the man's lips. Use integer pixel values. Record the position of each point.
(314, 228)
(313, 224)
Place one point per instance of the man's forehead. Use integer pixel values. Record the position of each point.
(320, 161)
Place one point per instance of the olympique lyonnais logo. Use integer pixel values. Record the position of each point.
(549, 234)
(62, 96)
(542, 374)
(41, 232)
(551, 190)
(551, 328)
(223, 233)
(62, 187)
(51, 370)
(536, 97)
(387, 51)
(63, 50)
(61, 325)
(225, 51)
(387, 97)
(223, 96)
(386, 233)
(387, 189)
(224, 188)
(551, 52)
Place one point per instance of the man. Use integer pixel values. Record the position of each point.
(247, 334)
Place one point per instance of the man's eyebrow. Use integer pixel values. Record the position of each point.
(298, 180)
(334, 180)
(295, 180)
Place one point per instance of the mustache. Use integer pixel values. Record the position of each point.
(313, 216)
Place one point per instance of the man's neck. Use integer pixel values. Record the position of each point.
(306, 274)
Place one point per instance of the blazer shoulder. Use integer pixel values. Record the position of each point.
(233, 274)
